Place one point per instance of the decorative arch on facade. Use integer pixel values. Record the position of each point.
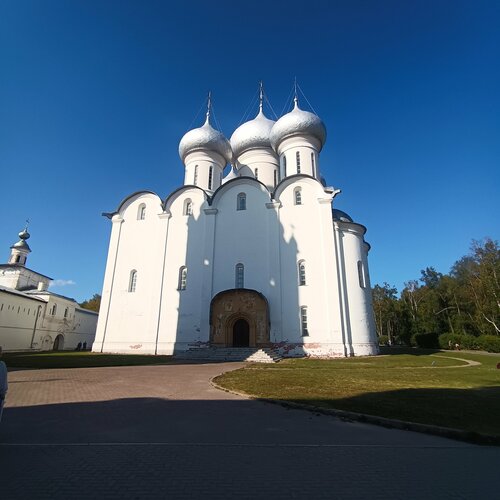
(230, 306)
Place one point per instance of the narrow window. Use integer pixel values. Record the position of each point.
(313, 165)
(18, 258)
(132, 283)
(303, 321)
(297, 196)
(183, 278)
(284, 166)
(297, 156)
(302, 272)
(257, 173)
(239, 276)
(53, 310)
(188, 207)
(241, 203)
(210, 175)
(141, 212)
(66, 312)
(275, 177)
(361, 275)
(195, 180)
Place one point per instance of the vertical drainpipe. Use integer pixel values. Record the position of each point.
(164, 215)
(117, 220)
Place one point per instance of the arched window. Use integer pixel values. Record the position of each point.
(195, 180)
(210, 176)
(141, 212)
(313, 165)
(284, 166)
(188, 207)
(361, 275)
(257, 173)
(297, 157)
(66, 312)
(302, 272)
(132, 284)
(297, 196)
(303, 321)
(241, 202)
(183, 272)
(239, 276)
(53, 310)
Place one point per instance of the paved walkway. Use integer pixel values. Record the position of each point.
(165, 432)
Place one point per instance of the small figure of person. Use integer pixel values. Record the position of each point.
(79, 346)
(457, 346)
(450, 344)
(84, 346)
(3, 383)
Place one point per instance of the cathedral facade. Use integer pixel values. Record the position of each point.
(256, 258)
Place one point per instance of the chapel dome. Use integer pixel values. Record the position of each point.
(341, 216)
(252, 134)
(205, 138)
(298, 122)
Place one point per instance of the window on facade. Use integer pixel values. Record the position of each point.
(275, 177)
(239, 276)
(284, 166)
(303, 321)
(297, 157)
(297, 193)
(210, 176)
(18, 258)
(66, 312)
(132, 283)
(53, 310)
(183, 278)
(241, 202)
(195, 180)
(257, 173)
(188, 207)
(313, 165)
(361, 275)
(302, 272)
(141, 212)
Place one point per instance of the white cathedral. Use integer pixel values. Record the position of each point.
(257, 258)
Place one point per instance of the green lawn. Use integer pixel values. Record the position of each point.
(79, 359)
(429, 388)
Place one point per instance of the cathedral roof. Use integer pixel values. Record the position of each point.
(298, 122)
(205, 138)
(252, 134)
(233, 174)
(341, 216)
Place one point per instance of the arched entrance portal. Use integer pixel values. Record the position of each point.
(58, 343)
(239, 318)
(241, 333)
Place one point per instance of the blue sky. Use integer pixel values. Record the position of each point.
(95, 96)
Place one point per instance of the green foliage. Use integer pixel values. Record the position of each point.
(92, 304)
(490, 343)
(426, 340)
(383, 340)
(465, 301)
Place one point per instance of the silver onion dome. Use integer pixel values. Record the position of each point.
(341, 216)
(21, 244)
(298, 122)
(252, 134)
(205, 138)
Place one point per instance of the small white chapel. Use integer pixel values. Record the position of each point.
(257, 258)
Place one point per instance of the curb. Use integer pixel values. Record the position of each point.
(391, 423)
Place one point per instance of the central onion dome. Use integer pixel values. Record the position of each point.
(298, 122)
(23, 235)
(254, 134)
(205, 138)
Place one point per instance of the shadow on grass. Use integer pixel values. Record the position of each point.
(414, 351)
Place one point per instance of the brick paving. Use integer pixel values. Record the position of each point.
(165, 432)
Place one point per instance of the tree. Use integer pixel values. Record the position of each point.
(92, 304)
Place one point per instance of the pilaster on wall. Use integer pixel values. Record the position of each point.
(274, 270)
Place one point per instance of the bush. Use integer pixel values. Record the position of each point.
(490, 343)
(426, 340)
(383, 340)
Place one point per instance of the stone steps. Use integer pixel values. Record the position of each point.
(250, 354)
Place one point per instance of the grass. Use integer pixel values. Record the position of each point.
(79, 359)
(424, 387)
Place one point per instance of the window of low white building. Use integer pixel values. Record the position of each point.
(66, 312)
(53, 310)
(141, 212)
(303, 321)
